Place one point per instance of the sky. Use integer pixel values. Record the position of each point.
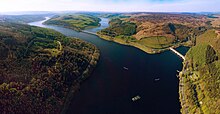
(111, 5)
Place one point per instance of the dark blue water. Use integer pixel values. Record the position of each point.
(110, 88)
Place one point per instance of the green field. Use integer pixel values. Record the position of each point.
(157, 42)
(208, 37)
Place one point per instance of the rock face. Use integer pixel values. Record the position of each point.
(39, 67)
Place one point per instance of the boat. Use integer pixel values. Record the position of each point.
(157, 79)
(125, 68)
(136, 98)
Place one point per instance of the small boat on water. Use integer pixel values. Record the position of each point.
(157, 79)
(125, 68)
(136, 98)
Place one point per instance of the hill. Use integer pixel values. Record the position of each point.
(41, 69)
(76, 22)
(155, 32)
(22, 18)
(210, 37)
(200, 81)
(200, 78)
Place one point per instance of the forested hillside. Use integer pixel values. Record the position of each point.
(39, 67)
(76, 22)
(200, 77)
(199, 81)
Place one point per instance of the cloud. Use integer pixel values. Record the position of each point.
(111, 5)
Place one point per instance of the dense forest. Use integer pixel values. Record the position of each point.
(118, 27)
(39, 67)
(76, 22)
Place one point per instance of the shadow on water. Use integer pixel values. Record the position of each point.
(110, 88)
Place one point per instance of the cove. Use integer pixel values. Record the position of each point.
(110, 88)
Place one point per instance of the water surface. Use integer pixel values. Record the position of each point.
(104, 24)
(110, 88)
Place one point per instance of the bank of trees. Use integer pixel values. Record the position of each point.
(33, 80)
(119, 27)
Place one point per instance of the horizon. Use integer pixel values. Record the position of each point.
(120, 6)
(66, 12)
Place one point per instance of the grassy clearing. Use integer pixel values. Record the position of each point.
(198, 55)
(131, 42)
(157, 42)
(208, 37)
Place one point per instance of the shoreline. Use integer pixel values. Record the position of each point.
(146, 50)
(70, 27)
(44, 22)
(182, 96)
(141, 47)
(76, 84)
(85, 74)
(136, 45)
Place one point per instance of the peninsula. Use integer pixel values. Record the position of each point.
(76, 22)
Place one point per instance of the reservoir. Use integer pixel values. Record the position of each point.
(111, 87)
